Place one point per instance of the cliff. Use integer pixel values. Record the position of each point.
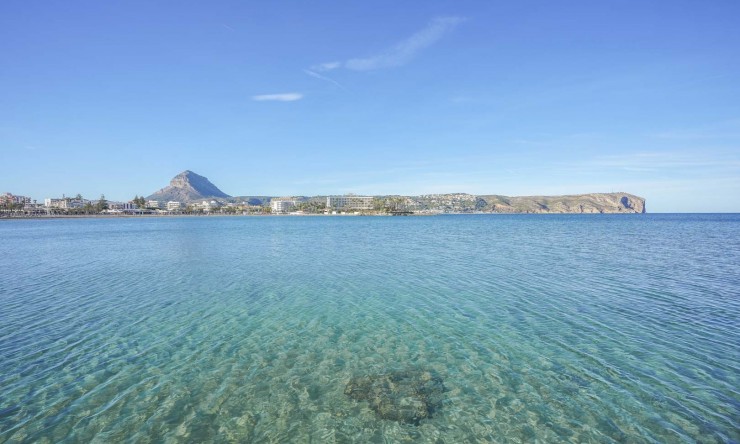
(580, 203)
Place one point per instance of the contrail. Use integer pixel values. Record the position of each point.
(319, 76)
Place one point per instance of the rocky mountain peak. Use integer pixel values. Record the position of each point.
(183, 179)
(187, 187)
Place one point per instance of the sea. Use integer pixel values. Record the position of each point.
(533, 328)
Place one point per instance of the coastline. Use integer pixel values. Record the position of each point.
(157, 216)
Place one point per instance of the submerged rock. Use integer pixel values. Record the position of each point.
(405, 396)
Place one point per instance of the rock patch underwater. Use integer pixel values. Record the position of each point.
(404, 396)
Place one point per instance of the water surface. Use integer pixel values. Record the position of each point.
(549, 328)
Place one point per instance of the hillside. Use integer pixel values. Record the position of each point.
(580, 203)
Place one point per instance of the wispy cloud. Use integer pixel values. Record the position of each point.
(705, 163)
(324, 78)
(283, 97)
(327, 66)
(726, 129)
(398, 54)
(405, 50)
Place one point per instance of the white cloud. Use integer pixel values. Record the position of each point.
(326, 66)
(284, 97)
(400, 53)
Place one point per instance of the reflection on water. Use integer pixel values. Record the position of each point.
(440, 329)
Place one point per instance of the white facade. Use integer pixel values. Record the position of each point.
(349, 202)
(208, 206)
(152, 204)
(282, 206)
(173, 205)
(49, 202)
(65, 203)
(55, 203)
(121, 206)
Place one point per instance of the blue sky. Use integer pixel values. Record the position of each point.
(306, 98)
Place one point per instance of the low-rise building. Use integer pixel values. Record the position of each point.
(55, 203)
(207, 205)
(78, 203)
(152, 204)
(121, 206)
(66, 203)
(173, 205)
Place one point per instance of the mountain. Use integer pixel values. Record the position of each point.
(188, 187)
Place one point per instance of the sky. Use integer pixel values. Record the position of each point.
(384, 97)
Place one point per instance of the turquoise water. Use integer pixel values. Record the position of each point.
(543, 328)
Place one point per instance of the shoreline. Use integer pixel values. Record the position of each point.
(155, 216)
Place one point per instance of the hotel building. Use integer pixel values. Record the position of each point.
(349, 202)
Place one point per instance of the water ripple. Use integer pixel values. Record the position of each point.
(554, 328)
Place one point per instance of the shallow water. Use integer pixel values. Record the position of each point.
(549, 328)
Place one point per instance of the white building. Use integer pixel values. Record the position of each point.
(208, 206)
(152, 204)
(349, 202)
(173, 205)
(54, 203)
(282, 206)
(66, 203)
(121, 206)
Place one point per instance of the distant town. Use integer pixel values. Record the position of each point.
(191, 194)
(351, 204)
